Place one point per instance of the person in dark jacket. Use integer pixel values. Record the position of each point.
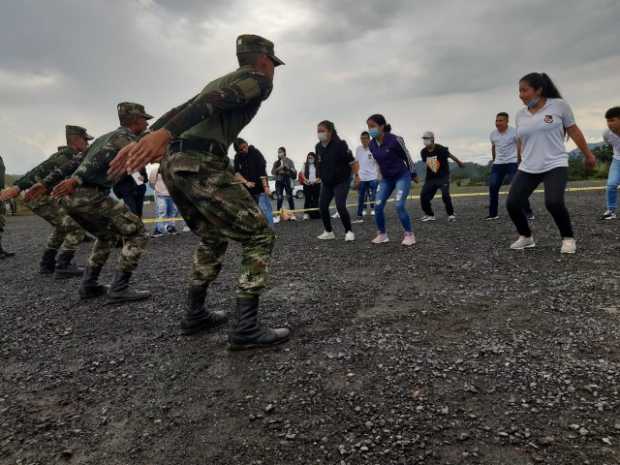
(284, 171)
(251, 169)
(310, 179)
(336, 164)
(132, 192)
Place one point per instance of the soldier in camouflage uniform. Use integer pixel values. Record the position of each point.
(86, 196)
(217, 208)
(3, 253)
(66, 235)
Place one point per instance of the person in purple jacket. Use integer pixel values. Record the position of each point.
(397, 171)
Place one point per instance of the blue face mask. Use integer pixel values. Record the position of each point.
(374, 132)
(532, 103)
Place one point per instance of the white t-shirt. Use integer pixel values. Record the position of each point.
(312, 173)
(505, 146)
(368, 166)
(613, 139)
(542, 136)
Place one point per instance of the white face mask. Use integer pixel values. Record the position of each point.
(322, 137)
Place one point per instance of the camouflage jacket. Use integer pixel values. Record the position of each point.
(221, 111)
(62, 172)
(93, 171)
(39, 172)
(2, 173)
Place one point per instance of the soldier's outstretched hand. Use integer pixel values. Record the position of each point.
(9, 193)
(117, 166)
(65, 188)
(149, 149)
(35, 192)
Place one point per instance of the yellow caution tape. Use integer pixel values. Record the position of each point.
(284, 212)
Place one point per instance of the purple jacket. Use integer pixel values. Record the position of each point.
(392, 156)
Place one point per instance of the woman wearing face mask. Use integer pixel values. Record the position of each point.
(397, 171)
(542, 126)
(284, 172)
(310, 179)
(336, 164)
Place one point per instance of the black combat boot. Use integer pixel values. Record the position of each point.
(197, 318)
(120, 292)
(64, 268)
(90, 288)
(246, 333)
(48, 261)
(4, 253)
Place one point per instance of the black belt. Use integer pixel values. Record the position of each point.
(197, 145)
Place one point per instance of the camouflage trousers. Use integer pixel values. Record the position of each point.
(219, 210)
(109, 221)
(66, 233)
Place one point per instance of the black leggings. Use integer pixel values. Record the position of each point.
(340, 191)
(524, 185)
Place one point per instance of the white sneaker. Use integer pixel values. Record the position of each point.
(426, 218)
(306, 217)
(357, 221)
(364, 213)
(327, 236)
(523, 243)
(336, 215)
(372, 213)
(292, 218)
(609, 215)
(349, 237)
(569, 246)
(381, 239)
(186, 229)
(408, 240)
(276, 219)
(452, 218)
(492, 218)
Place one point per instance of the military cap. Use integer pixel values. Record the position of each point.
(131, 109)
(248, 43)
(77, 131)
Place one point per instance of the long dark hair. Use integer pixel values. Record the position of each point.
(542, 81)
(331, 127)
(380, 120)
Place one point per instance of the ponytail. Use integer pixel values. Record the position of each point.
(542, 81)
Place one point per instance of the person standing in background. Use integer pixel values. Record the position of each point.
(437, 162)
(366, 180)
(310, 179)
(3, 253)
(612, 137)
(164, 205)
(506, 153)
(251, 169)
(284, 172)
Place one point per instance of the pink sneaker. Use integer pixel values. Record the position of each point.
(409, 239)
(381, 239)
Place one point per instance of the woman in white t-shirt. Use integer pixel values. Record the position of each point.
(542, 127)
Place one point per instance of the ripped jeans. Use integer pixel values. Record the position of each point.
(402, 186)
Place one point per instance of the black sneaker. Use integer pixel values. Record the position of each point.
(157, 233)
(171, 230)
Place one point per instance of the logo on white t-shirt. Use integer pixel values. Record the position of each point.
(548, 119)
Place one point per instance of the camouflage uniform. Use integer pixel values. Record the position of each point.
(92, 207)
(2, 207)
(201, 181)
(66, 233)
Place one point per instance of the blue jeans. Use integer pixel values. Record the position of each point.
(165, 209)
(265, 206)
(498, 173)
(366, 188)
(402, 186)
(613, 181)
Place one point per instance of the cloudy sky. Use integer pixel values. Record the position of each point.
(443, 65)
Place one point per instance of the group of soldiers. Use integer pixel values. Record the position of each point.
(71, 191)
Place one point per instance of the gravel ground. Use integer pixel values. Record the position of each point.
(458, 351)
